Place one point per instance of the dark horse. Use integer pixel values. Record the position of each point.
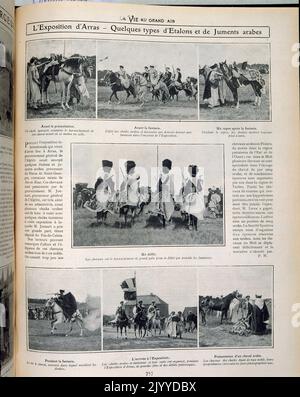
(122, 323)
(141, 323)
(113, 80)
(126, 211)
(222, 304)
(234, 83)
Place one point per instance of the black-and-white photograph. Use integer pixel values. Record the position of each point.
(61, 79)
(138, 80)
(6, 84)
(147, 195)
(235, 306)
(64, 309)
(149, 308)
(234, 82)
(6, 316)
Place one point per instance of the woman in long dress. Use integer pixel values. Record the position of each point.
(34, 83)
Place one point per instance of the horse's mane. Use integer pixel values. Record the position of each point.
(73, 62)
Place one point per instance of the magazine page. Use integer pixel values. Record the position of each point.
(6, 188)
(157, 151)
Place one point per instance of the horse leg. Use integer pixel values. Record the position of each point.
(67, 98)
(53, 326)
(117, 98)
(70, 330)
(63, 93)
(80, 324)
(236, 98)
(111, 95)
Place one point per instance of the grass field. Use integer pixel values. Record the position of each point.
(246, 110)
(41, 339)
(86, 109)
(172, 110)
(5, 125)
(111, 342)
(86, 232)
(215, 334)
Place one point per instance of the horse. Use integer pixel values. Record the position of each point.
(113, 80)
(191, 322)
(154, 322)
(59, 317)
(141, 86)
(140, 322)
(234, 83)
(129, 199)
(190, 87)
(78, 87)
(66, 72)
(122, 323)
(222, 304)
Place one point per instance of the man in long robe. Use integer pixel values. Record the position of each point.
(193, 193)
(212, 93)
(166, 190)
(130, 187)
(259, 316)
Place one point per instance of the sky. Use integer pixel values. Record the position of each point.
(87, 160)
(248, 280)
(43, 48)
(175, 286)
(134, 56)
(42, 283)
(253, 53)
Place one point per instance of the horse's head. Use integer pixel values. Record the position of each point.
(225, 69)
(202, 70)
(50, 303)
(81, 86)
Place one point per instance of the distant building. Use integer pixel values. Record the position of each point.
(147, 300)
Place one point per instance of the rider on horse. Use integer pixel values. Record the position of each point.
(121, 312)
(67, 302)
(139, 309)
(124, 76)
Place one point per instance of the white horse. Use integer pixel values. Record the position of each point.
(72, 67)
(141, 86)
(59, 317)
(154, 322)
